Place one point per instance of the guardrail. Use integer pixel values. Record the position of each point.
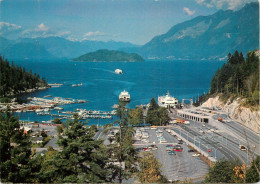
(203, 153)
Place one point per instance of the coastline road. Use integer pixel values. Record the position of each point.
(220, 145)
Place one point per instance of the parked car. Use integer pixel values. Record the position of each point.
(190, 150)
(171, 153)
(153, 147)
(196, 155)
(163, 141)
(178, 150)
(146, 149)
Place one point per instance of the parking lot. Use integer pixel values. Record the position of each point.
(179, 165)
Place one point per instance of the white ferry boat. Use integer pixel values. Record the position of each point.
(118, 71)
(124, 96)
(167, 101)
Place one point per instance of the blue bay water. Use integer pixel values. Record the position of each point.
(101, 86)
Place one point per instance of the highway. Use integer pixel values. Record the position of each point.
(222, 138)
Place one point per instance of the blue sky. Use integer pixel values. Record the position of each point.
(135, 21)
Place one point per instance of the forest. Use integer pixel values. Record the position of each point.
(15, 79)
(239, 77)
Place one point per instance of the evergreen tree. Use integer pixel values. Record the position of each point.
(135, 116)
(222, 172)
(238, 77)
(253, 173)
(15, 151)
(82, 159)
(156, 115)
(163, 115)
(153, 105)
(14, 79)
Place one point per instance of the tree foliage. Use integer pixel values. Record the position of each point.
(124, 150)
(135, 116)
(150, 169)
(14, 79)
(156, 115)
(234, 172)
(82, 158)
(221, 172)
(252, 174)
(15, 150)
(239, 77)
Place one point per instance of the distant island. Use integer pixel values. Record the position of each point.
(109, 55)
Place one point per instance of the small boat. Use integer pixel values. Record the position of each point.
(118, 71)
(47, 109)
(115, 106)
(75, 85)
(58, 108)
(47, 96)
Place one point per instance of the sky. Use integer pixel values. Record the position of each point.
(135, 21)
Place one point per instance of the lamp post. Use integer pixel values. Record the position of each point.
(226, 139)
(215, 153)
(246, 156)
(196, 141)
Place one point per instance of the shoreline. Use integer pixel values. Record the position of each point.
(27, 91)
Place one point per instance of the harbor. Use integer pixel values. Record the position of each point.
(101, 89)
(54, 108)
(37, 104)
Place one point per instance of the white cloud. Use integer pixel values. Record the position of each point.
(40, 31)
(96, 33)
(72, 38)
(63, 33)
(188, 11)
(44, 31)
(225, 4)
(7, 28)
(42, 27)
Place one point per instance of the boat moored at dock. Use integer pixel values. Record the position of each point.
(167, 101)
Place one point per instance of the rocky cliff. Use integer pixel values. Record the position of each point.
(249, 118)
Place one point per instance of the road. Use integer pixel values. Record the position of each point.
(223, 139)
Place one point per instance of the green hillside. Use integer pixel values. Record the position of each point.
(14, 79)
(109, 55)
(237, 78)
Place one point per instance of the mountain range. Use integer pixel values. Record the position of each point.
(51, 48)
(207, 37)
(202, 38)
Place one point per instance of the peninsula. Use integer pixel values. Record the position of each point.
(109, 55)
